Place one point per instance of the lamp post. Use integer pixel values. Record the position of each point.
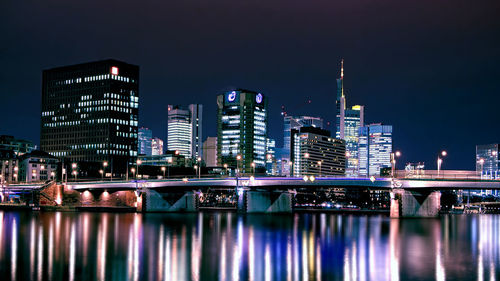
(393, 163)
(253, 168)
(102, 174)
(163, 170)
(133, 172)
(199, 167)
(75, 173)
(138, 162)
(195, 170)
(238, 158)
(225, 167)
(481, 163)
(168, 169)
(440, 160)
(319, 163)
(104, 165)
(74, 166)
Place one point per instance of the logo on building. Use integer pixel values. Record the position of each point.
(232, 96)
(258, 98)
(114, 70)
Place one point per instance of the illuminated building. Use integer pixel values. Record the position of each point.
(348, 122)
(375, 148)
(242, 130)
(9, 166)
(291, 122)
(315, 152)
(19, 146)
(271, 163)
(145, 141)
(184, 130)
(37, 166)
(487, 161)
(156, 146)
(90, 114)
(210, 152)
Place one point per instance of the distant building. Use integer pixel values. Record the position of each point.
(242, 130)
(19, 146)
(291, 122)
(145, 141)
(210, 152)
(9, 166)
(90, 114)
(271, 165)
(375, 148)
(487, 160)
(156, 146)
(348, 122)
(184, 130)
(315, 152)
(37, 166)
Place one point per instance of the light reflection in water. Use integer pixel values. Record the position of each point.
(80, 246)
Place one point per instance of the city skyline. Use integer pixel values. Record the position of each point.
(420, 87)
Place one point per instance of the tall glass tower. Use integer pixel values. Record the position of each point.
(241, 130)
(348, 122)
(184, 130)
(375, 148)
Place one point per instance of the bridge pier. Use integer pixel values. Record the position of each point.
(415, 203)
(153, 201)
(266, 202)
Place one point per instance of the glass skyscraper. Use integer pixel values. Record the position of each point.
(241, 129)
(90, 113)
(375, 148)
(184, 131)
(145, 139)
(487, 161)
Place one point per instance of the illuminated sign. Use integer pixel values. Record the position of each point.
(231, 97)
(258, 98)
(114, 70)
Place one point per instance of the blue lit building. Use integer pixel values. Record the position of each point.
(375, 148)
(487, 161)
(242, 130)
(145, 140)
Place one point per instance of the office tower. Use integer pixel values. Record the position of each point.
(271, 168)
(241, 129)
(315, 152)
(90, 113)
(209, 155)
(184, 130)
(156, 146)
(348, 122)
(487, 161)
(18, 146)
(375, 148)
(145, 141)
(291, 122)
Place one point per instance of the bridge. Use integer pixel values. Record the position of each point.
(409, 196)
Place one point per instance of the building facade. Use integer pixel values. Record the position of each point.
(9, 166)
(90, 113)
(19, 146)
(487, 160)
(37, 166)
(242, 130)
(145, 141)
(184, 130)
(210, 152)
(375, 148)
(315, 152)
(156, 146)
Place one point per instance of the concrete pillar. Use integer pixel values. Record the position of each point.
(415, 203)
(268, 202)
(154, 202)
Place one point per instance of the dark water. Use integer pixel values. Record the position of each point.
(227, 246)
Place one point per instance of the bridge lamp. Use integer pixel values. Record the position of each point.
(185, 179)
(312, 178)
(372, 179)
(305, 178)
(252, 179)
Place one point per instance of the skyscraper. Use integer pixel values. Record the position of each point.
(156, 146)
(145, 141)
(375, 148)
(184, 130)
(348, 122)
(241, 129)
(210, 152)
(487, 160)
(291, 122)
(315, 152)
(90, 113)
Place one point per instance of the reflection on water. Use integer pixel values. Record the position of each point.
(228, 246)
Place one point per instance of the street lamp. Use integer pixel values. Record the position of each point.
(481, 162)
(163, 170)
(133, 172)
(170, 160)
(253, 167)
(225, 167)
(440, 160)
(319, 163)
(199, 167)
(102, 174)
(75, 173)
(138, 162)
(393, 163)
(104, 165)
(238, 158)
(196, 169)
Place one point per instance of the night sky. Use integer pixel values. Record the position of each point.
(429, 68)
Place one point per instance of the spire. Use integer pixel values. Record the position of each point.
(342, 75)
